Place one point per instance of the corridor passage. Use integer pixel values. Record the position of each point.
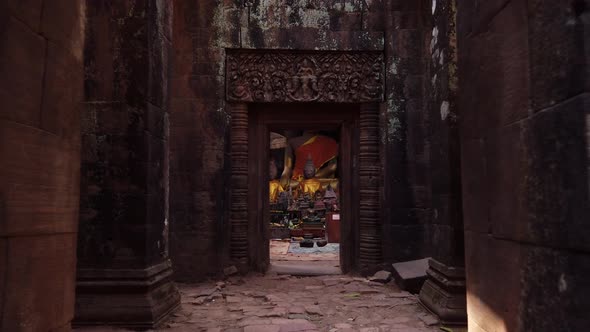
(281, 303)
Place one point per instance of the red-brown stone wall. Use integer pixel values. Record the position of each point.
(524, 107)
(41, 46)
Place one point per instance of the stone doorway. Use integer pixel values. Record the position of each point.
(341, 89)
(333, 122)
(360, 227)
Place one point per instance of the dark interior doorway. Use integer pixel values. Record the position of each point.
(335, 122)
(304, 200)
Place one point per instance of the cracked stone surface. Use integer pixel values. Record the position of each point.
(273, 303)
(292, 304)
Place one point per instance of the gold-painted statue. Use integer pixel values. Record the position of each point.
(310, 185)
(275, 187)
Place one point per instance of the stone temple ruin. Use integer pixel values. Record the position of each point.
(179, 164)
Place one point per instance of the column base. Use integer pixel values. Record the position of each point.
(443, 293)
(138, 299)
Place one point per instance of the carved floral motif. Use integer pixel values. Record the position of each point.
(274, 76)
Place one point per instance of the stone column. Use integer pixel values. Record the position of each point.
(405, 150)
(370, 235)
(124, 273)
(444, 291)
(40, 90)
(239, 184)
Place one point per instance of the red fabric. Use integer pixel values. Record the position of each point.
(322, 149)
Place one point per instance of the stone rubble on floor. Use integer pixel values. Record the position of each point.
(259, 303)
(381, 276)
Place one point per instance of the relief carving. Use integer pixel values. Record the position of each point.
(275, 76)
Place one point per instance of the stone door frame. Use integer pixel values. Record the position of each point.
(267, 117)
(255, 76)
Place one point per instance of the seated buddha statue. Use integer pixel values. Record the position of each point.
(323, 153)
(274, 186)
(309, 185)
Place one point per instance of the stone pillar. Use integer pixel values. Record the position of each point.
(444, 291)
(40, 91)
(370, 233)
(239, 184)
(406, 205)
(124, 273)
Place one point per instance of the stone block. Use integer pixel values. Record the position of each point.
(40, 272)
(475, 183)
(345, 21)
(63, 23)
(403, 242)
(502, 56)
(39, 181)
(557, 176)
(404, 20)
(401, 5)
(445, 242)
(207, 87)
(556, 52)
(60, 113)
(405, 43)
(493, 282)
(444, 292)
(506, 165)
(230, 270)
(554, 287)
(410, 275)
(100, 61)
(21, 70)
(538, 195)
(27, 11)
(131, 298)
(381, 276)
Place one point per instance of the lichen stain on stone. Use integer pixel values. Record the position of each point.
(303, 13)
(276, 14)
(263, 23)
(223, 26)
(562, 283)
(444, 110)
(452, 49)
(392, 70)
(434, 39)
(394, 125)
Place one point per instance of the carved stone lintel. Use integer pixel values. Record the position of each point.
(444, 293)
(276, 76)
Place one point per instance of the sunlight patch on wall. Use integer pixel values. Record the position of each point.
(480, 317)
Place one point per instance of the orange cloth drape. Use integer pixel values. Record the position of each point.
(321, 149)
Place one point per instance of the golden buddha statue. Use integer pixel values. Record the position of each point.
(309, 185)
(274, 186)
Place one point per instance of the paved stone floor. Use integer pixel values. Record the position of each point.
(280, 303)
